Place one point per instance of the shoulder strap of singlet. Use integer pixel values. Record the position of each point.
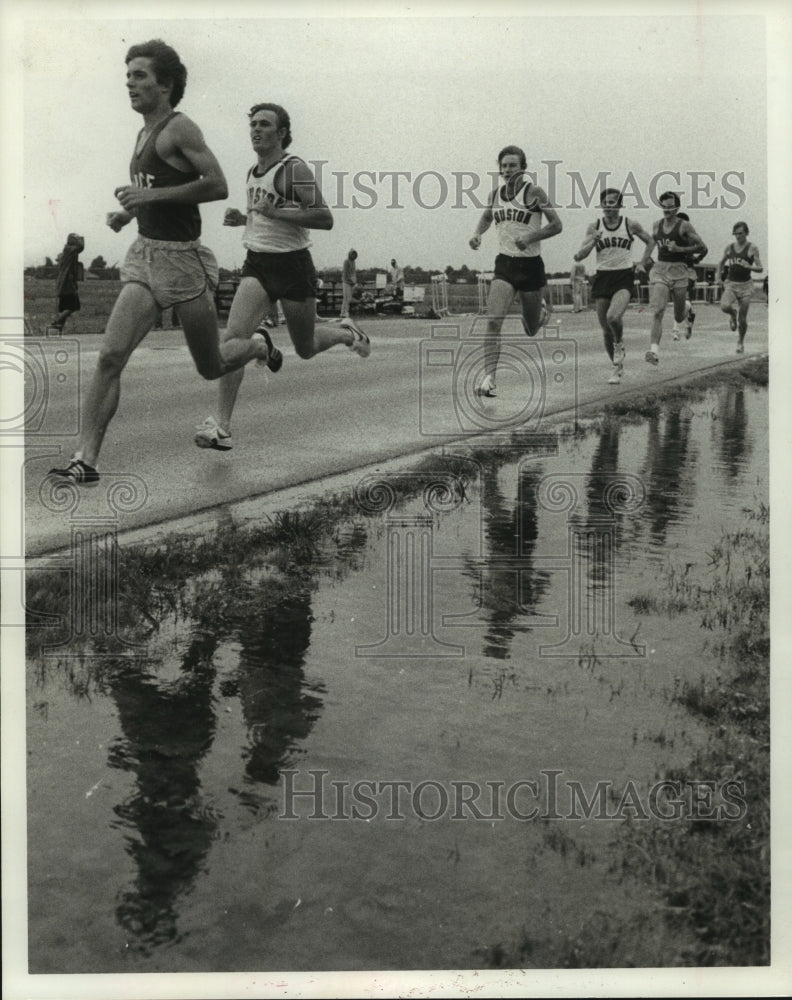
(529, 188)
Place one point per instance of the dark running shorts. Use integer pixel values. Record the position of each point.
(71, 302)
(607, 283)
(288, 275)
(524, 274)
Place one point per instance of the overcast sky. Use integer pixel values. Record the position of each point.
(433, 98)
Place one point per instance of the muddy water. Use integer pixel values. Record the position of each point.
(370, 762)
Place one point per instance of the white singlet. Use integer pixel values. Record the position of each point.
(265, 235)
(614, 246)
(516, 217)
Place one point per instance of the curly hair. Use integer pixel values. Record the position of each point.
(283, 119)
(166, 64)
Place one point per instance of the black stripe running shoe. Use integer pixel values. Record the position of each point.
(77, 472)
(274, 359)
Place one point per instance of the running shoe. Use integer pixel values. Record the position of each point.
(740, 349)
(675, 334)
(652, 358)
(77, 472)
(616, 377)
(211, 435)
(274, 358)
(487, 387)
(361, 344)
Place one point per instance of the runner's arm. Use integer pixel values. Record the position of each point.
(757, 262)
(588, 244)
(638, 230)
(300, 186)
(646, 256)
(554, 225)
(484, 223)
(696, 249)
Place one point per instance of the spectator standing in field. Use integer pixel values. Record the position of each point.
(578, 280)
(676, 241)
(614, 282)
(396, 280)
(66, 281)
(348, 282)
(742, 259)
(172, 171)
(516, 207)
(284, 203)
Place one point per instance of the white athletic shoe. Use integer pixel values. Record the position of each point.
(211, 435)
(487, 387)
(675, 334)
(616, 377)
(361, 345)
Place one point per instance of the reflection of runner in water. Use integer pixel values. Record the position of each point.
(516, 207)
(666, 473)
(602, 525)
(612, 290)
(742, 259)
(511, 586)
(278, 707)
(168, 730)
(731, 431)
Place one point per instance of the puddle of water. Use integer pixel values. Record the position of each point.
(231, 800)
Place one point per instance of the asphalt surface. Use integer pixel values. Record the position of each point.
(316, 419)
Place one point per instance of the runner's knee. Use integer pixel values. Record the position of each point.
(111, 361)
(210, 369)
(305, 351)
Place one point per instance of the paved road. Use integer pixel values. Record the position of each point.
(332, 414)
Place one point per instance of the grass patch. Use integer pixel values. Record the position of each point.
(714, 875)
